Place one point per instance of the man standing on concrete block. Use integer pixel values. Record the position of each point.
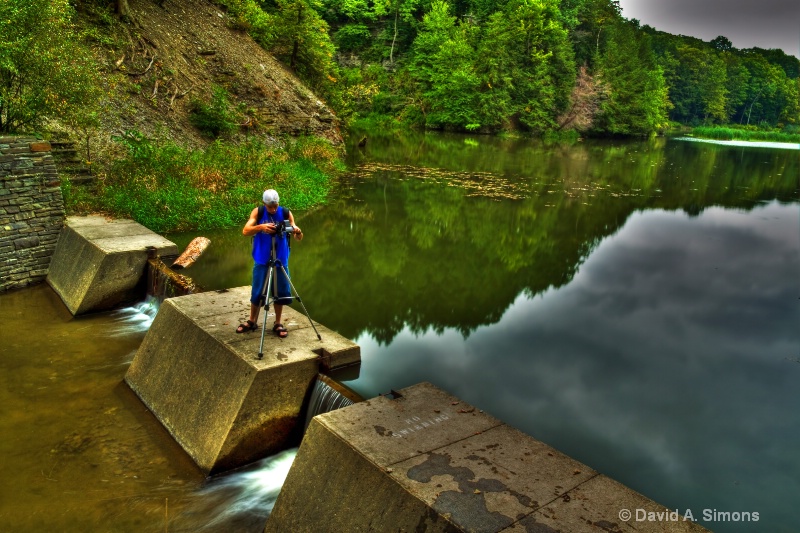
(263, 226)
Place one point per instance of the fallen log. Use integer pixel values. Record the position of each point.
(191, 253)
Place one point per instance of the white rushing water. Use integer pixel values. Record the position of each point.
(324, 399)
(242, 500)
(137, 318)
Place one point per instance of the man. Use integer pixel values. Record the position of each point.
(261, 226)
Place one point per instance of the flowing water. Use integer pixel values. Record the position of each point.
(633, 304)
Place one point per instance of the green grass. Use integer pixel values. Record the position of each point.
(728, 133)
(168, 188)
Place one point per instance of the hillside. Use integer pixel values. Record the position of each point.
(172, 54)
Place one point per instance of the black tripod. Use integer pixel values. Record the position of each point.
(273, 267)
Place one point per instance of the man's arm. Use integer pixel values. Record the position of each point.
(251, 227)
(298, 233)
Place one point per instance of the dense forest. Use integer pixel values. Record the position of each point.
(530, 65)
(535, 66)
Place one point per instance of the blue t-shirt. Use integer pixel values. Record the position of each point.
(262, 242)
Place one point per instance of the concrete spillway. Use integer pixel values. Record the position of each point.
(99, 263)
(418, 460)
(426, 461)
(206, 385)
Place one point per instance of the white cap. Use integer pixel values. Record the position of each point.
(270, 196)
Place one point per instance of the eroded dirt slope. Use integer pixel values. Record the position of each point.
(178, 50)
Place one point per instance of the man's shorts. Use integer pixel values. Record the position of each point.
(284, 292)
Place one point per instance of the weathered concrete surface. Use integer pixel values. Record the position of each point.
(205, 384)
(429, 462)
(99, 264)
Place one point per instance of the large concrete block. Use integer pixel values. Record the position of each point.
(427, 461)
(98, 263)
(206, 385)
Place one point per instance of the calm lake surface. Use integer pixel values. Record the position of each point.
(634, 304)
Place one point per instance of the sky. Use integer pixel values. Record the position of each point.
(747, 23)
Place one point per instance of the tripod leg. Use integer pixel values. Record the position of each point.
(286, 275)
(265, 294)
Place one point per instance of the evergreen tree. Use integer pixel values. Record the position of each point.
(443, 64)
(590, 24)
(637, 98)
(526, 65)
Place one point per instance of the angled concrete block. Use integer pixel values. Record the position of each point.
(99, 264)
(206, 385)
(426, 461)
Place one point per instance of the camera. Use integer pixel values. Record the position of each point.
(283, 227)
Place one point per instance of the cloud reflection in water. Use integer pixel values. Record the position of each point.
(669, 362)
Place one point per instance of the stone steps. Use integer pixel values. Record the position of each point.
(70, 164)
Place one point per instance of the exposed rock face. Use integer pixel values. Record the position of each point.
(180, 49)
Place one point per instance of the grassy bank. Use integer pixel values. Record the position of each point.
(728, 133)
(169, 188)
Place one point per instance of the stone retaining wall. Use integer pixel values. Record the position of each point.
(31, 211)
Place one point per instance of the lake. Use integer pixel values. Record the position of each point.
(634, 304)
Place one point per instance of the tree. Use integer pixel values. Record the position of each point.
(589, 23)
(765, 83)
(789, 64)
(637, 97)
(584, 103)
(516, 68)
(301, 40)
(722, 44)
(698, 90)
(738, 78)
(398, 10)
(443, 64)
(526, 65)
(121, 8)
(45, 73)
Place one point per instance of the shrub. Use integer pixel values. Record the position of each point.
(168, 188)
(352, 37)
(217, 117)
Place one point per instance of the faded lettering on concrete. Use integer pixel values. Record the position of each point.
(412, 425)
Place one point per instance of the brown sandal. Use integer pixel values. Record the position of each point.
(280, 331)
(244, 327)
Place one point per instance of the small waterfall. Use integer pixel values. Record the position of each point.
(243, 499)
(329, 395)
(237, 501)
(163, 282)
(137, 318)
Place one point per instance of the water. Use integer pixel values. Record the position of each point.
(634, 304)
(747, 144)
(135, 319)
(79, 452)
(238, 501)
(324, 399)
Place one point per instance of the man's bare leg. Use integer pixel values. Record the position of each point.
(254, 310)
